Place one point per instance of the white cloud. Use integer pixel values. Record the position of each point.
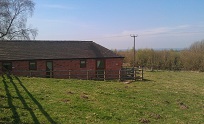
(161, 37)
(180, 29)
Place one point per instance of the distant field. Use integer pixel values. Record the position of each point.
(164, 97)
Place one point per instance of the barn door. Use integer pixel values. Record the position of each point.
(100, 68)
(49, 69)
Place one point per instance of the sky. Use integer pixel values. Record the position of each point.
(157, 23)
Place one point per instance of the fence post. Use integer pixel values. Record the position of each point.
(51, 74)
(142, 73)
(69, 74)
(119, 75)
(104, 75)
(87, 75)
(135, 74)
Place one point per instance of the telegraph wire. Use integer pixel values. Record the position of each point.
(194, 32)
(143, 34)
(109, 37)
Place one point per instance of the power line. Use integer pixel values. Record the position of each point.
(109, 37)
(148, 34)
(193, 32)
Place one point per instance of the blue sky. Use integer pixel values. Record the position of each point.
(158, 23)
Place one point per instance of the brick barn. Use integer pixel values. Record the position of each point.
(59, 59)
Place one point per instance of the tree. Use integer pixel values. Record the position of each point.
(193, 57)
(13, 19)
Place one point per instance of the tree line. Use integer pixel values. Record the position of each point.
(191, 58)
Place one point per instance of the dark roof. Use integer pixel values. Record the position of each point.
(31, 50)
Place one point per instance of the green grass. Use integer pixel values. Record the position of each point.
(164, 97)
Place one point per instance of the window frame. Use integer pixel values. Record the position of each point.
(33, 68)
(101, 65)
(83, 65)
(7, 69)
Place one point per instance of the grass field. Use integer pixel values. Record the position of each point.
(164, 97)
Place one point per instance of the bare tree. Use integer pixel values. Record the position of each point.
(13, 19)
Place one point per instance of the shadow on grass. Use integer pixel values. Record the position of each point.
(23, 101)
(16, 117)
(10, 103)
(36, 102)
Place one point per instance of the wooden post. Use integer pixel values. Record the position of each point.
(69, 74)
(142, 72)
(87, 75)
(119, 75)
(104, 75)
(50, 74)
(135, 75)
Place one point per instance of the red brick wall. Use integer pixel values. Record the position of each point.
(61, 67)
(113, 66)
(0, 68)
(72, 65)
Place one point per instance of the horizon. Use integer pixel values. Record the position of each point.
(156, 49)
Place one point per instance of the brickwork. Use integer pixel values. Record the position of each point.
(0, 66)
(113, 66)
(61, 68)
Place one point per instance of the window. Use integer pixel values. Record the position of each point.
(82, 63)
(7, 66)
(100, 64)
(32, 65)
(49, 69)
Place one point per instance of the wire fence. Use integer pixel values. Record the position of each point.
(123, 74)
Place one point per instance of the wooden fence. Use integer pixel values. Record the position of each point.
(123, 74)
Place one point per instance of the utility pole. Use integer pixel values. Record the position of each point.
(134, 36)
